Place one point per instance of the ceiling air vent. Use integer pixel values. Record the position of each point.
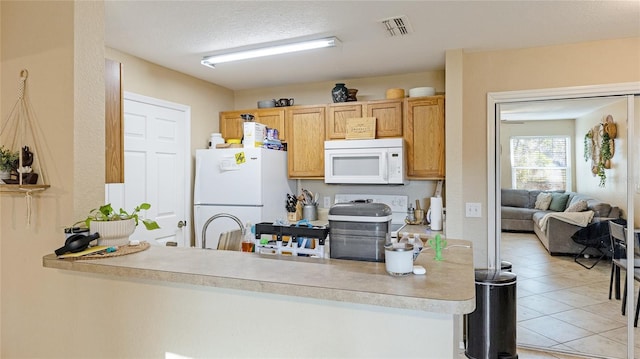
(397, 26)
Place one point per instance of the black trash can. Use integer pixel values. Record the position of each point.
(491, 329)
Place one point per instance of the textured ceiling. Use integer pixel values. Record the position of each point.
(177, 34)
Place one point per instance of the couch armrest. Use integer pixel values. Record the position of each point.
(558, 237)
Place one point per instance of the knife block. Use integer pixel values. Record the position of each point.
(294, 216)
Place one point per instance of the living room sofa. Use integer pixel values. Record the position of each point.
(519, 213)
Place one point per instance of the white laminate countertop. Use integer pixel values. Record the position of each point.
(448, 287)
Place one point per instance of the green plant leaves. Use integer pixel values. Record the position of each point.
(107, 213)
(150, 225)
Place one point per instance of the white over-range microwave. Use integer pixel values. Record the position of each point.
(379, 161)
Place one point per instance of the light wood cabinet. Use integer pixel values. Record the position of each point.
(424, 137)
(305, 128)
(388, 114)
(419, 120)
(337, 115)
(273, 118)
(231, 124)
(114, 126)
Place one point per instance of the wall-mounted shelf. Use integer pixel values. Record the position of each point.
(21, 136)
(22, 188)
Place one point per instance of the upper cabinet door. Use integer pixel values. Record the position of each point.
(114, 129)
(272, 118)
(388, 114)
(424, 136)
(231, 124)
(337, 116)
(305, 126)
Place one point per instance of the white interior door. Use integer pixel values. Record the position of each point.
(157, 167)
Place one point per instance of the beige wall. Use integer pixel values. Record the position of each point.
(615, 189)
(370, 88)
(600, 62)
(51, 313)
(205, 99)
(66, 91)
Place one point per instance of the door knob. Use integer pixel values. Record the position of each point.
(182, 224)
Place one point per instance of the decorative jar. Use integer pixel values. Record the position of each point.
(339, 93)
(351, 95)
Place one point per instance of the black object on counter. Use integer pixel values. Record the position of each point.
(292, 231)
(76, 243)
(491, 329)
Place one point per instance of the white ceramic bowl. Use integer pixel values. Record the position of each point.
(421, 91)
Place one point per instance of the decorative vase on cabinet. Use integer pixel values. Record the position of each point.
(339, 93)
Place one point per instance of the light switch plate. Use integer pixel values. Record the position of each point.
(473, 209)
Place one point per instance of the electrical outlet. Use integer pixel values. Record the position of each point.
(327, 202)
(473, 209)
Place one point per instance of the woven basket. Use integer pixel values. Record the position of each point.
(113, 233)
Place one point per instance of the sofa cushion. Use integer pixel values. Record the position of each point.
(543, 201)
(533, 196)
(558, 202)
(517, 213)
(599, 208)
(578, 206)
(538, 216)
(515, 198)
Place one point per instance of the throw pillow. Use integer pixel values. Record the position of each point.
(578, 206)
(558, 202)
(543, 201)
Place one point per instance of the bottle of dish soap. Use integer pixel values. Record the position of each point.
(248, 242)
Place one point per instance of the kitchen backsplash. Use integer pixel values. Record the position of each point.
(422, 190)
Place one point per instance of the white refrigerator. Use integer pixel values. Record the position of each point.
(249, 183)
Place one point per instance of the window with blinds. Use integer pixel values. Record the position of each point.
(540, 162)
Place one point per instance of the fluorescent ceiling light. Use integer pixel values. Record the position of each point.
(211, 61)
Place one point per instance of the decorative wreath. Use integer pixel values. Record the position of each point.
(599, 147)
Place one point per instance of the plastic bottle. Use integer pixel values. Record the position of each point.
(403, 240)
(417, 245)
(248, 242)
(215, 139)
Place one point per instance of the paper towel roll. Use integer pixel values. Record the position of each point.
(436, 213)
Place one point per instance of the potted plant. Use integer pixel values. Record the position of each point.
(8, 162)
(116, 227)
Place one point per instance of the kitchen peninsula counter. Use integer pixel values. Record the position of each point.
(448, 286)
(355, 307)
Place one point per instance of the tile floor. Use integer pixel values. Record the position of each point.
(563, 306)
